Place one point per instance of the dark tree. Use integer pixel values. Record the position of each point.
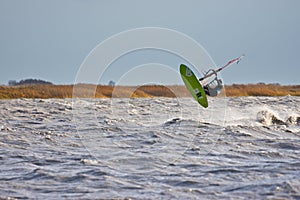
(30, 82)
(12, 82)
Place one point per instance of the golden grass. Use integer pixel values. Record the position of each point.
(101, 91)
(262, 90)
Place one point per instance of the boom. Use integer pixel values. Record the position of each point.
(236, 60)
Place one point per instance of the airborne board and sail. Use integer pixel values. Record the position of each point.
(198, 87)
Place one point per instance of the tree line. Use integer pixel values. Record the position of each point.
(29, 82)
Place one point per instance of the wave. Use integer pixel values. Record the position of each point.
(180, 121)
(172, 121)
(268, 117)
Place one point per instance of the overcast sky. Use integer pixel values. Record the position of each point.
(49, 39)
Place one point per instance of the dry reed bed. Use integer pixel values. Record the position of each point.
(102, 91)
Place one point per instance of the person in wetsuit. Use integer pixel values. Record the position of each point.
(214, 87)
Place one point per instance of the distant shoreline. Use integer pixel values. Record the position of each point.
(146, 91)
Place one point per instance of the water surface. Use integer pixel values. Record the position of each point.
(157, 148)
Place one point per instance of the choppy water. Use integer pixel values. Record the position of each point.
(160, 148)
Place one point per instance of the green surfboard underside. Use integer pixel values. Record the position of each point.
(193, 85)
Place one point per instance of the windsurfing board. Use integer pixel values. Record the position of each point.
(193, 85)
